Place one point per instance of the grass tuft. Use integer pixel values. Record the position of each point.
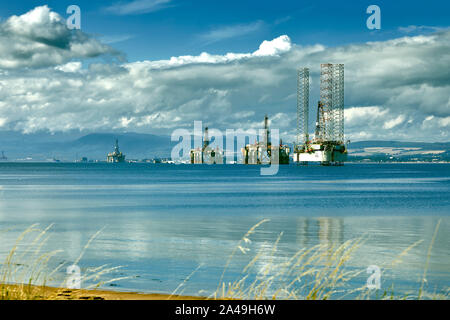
(25, 272)
(320, 272)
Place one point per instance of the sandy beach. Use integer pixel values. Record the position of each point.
(51, 293)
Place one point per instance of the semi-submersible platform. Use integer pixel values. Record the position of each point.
(264, 152)
(259, 152)
(206, 154)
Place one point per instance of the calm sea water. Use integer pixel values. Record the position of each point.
(162, 222)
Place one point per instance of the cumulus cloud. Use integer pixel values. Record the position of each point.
(396, 89)
(274, 47)
(40, 38)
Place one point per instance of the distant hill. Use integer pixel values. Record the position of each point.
(70, 146)
(399, 151)
(398, 144)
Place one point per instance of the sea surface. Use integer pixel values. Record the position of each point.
(172, 228)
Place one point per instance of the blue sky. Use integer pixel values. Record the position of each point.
(224, 63)
(178, 27)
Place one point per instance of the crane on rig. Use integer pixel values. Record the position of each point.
(327, 146)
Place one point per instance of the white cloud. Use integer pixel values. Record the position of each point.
(394, 122)
(39, 23)
(268, 48)
(137, 7)
(444, 122)
(228, 32)
(70, 67)
(116, 38)
(275, 47)
(433, 122)
(414, 28)
(396, 89)
(282, 20)
(40, 38)
(355, 115)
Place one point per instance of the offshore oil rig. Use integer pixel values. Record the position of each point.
(206, 154)
(261, 152)
(327, 147)
(115, 156)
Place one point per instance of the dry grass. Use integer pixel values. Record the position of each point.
(311, 273)
(319, 272)
(25, 273)
(316, 273)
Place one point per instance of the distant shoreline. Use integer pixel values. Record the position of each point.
(150, 163)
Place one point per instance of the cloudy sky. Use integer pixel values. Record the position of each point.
(154, 66)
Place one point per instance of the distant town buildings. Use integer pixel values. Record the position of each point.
(115, 156)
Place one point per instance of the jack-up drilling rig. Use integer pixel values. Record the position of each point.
(328, 145)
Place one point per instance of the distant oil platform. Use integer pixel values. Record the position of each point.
(261, 152)
(115, 156)
(256, 153)
(206, 154)
(327, 147)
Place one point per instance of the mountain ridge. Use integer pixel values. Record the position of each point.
(74, 145)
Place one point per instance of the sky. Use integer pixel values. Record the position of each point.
(153, 66)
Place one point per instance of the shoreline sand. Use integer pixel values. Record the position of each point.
(52, 293)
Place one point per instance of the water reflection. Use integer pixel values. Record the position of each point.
(162, 224)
